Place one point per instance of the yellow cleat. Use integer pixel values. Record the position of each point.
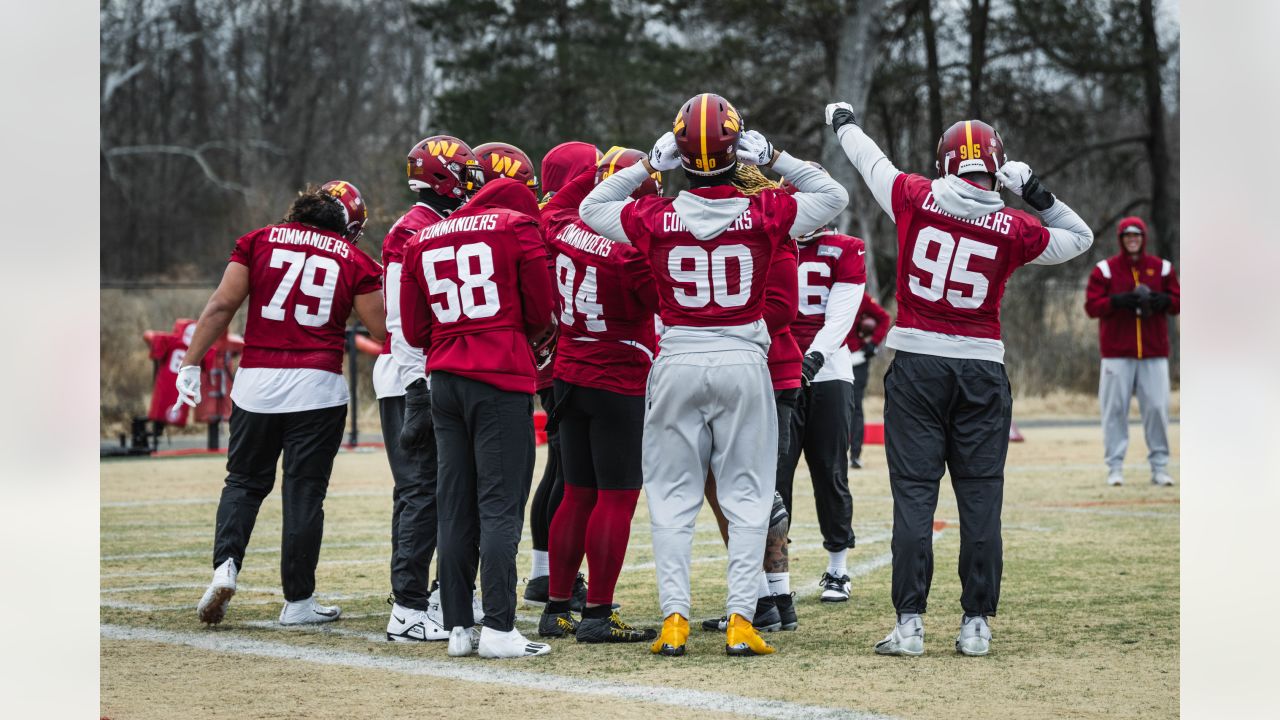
(741, 639)
(675, 633)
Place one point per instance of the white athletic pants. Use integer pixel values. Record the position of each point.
(709, 410)
(1120, 380)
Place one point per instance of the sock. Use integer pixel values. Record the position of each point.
(763, 591)
(836, 563)
(599, 612)
(554, 607)
(567, 538)
(779, 583)
(540, 566)
(608, 533)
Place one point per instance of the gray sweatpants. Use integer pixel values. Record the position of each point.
(716, 410)
(1120, 380)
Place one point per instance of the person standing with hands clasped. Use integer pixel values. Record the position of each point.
(1132, 294)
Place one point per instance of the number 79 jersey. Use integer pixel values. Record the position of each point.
(952, 271)
(303, 282)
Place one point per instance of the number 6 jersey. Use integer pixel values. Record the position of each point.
(303, 281)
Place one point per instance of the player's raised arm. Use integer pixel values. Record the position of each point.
(1069, 235)
(820, 198)
(876, 169)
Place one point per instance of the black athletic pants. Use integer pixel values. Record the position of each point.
(820, 429)
(600, 433)
(309, 441)
(485, 441)
(413, 509)
(785, 401)
(546, 499)
(857, 425)
(944, 411)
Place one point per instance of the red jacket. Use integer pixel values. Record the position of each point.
(1121, 331)
(868, 309)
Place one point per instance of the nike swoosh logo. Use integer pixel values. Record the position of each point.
(862, 252)
(399, 620)
(326, 614)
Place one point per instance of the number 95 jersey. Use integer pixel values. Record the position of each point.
(952, 272)
(303, 282)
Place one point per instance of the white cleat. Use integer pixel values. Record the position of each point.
(495, 644)
(213, 606)
(1115, 478)
(835, 588)
(308, 612)
(1162, 478)
(433, 610)
(974, 639)
(409, 625)
(907, 638)
(477, 610)
(463, 641)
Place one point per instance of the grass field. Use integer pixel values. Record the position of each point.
(1088, 624)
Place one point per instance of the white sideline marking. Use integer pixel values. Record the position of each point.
(252, 551)
(490, 674)
(143, 607)
(214, 501)
(1101, 511)
(865, 567)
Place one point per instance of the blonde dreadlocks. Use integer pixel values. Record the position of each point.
(750, 180)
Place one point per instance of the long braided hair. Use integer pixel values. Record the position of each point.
(750, 181)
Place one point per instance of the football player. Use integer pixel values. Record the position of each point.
(869, 329)
(442, 170)
(709, 391)
(947, 398)
(561, 164)
(475, 290)
(832, 277)
(302, 278)
(607, 342)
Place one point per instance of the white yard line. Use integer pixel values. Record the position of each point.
(865, 567)
(489, 674)
(191, 606)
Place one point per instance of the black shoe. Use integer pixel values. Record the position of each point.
(578, 602)
(556, 625)
(786, 604)
(855, 463)
(767, 617)
(535, 593)
(716, 624)
(612, 630)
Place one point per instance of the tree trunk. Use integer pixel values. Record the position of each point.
(934, 75)
(979, 11)
(856, 53)
(1163, 213)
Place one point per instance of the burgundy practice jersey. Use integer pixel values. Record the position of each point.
(607, 300)
(828, 259)
(405, 229)
(303, 282)
(475, 287)
(717, 282)
(781, 299)
(952, 272)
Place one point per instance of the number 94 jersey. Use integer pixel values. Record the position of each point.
(952, 272)
(303, 282)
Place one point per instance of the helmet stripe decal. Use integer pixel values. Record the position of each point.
(968, 136)
(612, 163)
(703, 134)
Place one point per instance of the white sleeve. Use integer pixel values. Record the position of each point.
(820, 199)
(869, 159)
(602, 207)
(1069, 235)
(842, 308)
(411, 362)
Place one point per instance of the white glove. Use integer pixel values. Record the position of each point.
(665, 155)
(754, 148)
(831, 109)
(1014, 175)
(188, 384)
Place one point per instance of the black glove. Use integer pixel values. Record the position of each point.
(1125, 301)
(841, 117)
(812, 364)
(869, 350)
(415, 434)
(1035, 194)
(1160, 301)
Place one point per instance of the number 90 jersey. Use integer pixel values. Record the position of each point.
(303, 282)
(952, 272)
(718, 282)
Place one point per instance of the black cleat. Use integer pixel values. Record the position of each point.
(768, 618)
(834, 589)
(556, 625)
(786, 605)
(612, 630)
(855, 463)
(535, 593)
(579, 600)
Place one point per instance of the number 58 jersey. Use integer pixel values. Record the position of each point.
(303, 282)
(952, 272)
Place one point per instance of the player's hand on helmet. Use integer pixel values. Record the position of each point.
(665, 155)
(188, 384)
(1018, 177)
(754, 148)
(415, 434)
(840, 114)
(812, 363)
